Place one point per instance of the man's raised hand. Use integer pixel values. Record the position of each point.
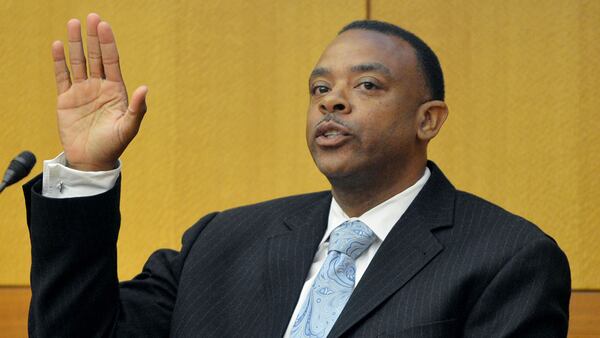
(95, 120)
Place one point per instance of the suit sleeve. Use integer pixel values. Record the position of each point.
(74, 283)
(528, 297)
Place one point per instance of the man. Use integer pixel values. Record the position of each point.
(392, 250)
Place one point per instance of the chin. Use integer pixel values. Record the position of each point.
(336, 165)
(335, 170)
(329, 169)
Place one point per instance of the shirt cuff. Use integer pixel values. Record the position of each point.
(60, 181)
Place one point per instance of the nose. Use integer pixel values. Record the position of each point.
(334, 103)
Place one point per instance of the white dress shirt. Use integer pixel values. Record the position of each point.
(59, 181)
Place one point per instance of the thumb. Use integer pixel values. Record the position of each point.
(137, 107)
(135, 112)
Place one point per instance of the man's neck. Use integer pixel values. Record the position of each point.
(357, 198)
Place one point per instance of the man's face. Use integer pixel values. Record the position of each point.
(364, 92)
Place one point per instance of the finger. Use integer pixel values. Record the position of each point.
(137, 106)
(110, 55)
(135, 112)
(93, 46)
(61, 72)
(76, 56)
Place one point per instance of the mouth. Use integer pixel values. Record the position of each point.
(331, 134)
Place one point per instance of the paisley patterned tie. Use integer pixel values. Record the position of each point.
(335, 281)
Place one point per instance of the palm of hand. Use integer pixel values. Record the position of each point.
(90, 120)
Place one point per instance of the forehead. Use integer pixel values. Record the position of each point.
(355, 47)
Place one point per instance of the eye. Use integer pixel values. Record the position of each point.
(319, 89)
(368, 85)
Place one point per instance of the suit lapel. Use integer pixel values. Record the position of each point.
(292, 245)
(407, 249)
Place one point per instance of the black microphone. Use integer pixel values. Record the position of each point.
(18, 168)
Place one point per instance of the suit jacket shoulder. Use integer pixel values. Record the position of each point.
(484, 217)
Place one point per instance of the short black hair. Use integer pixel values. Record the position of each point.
(428, 61)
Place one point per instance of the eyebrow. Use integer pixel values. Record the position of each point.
(319, 71)
(370, 67)
(360, 68)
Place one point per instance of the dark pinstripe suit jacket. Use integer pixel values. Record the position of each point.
(454, 265)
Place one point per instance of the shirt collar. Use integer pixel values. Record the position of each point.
(382, 218)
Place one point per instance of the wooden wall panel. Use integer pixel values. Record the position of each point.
(14, 308)
(228, 95)
(522, 80)
(227, 103)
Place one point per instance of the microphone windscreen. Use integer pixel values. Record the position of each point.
(19, 167)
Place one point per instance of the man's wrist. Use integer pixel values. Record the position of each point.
(90, 166)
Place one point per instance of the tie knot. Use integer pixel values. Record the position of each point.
(351, 238)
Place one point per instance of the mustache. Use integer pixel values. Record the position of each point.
(334, 118)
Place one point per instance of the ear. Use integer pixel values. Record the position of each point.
(430, 118)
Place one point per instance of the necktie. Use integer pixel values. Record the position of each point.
(334, 282)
